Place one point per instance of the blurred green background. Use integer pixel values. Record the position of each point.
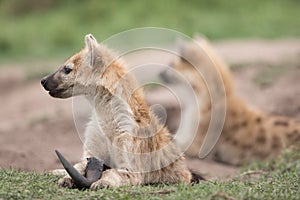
(46, 29)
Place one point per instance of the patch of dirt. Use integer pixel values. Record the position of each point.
(266, 73)
(32, 124)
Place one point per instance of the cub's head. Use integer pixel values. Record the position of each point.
(188, 64)
(201, 66)
(80, 72)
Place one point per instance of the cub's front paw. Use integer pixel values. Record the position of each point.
(101, 184)
(110, 178)
(66, 182)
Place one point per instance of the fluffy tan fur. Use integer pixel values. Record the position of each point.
(123, 131)
(248, 134)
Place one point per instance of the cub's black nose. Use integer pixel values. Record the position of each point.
(43, 81)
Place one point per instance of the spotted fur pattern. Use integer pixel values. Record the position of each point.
(248, 133)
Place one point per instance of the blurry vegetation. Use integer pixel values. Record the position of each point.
(38, 29)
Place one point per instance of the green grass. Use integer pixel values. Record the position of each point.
(39, 29)
(276, 179)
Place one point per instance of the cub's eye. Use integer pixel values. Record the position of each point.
(67, 70)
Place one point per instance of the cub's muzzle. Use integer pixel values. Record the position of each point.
(49, 83)
(43, 81)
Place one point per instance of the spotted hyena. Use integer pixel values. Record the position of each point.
(123, 131)
(248, 134)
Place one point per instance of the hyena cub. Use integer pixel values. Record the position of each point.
(123, 131)
(248, 134)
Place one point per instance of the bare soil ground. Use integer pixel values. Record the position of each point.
(32, 124)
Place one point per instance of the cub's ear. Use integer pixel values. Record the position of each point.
(199, 37)
(91, 45)
(190, 50)
(184, 49)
